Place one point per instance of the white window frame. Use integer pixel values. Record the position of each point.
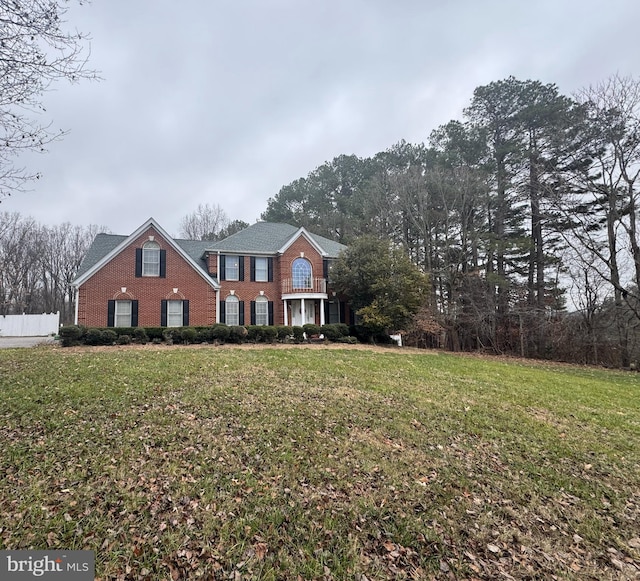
(262, 311)
(301, 274)
(262, 269)
(232, 318)
(122, 314)
(151, 259)
(174, 313)
(232, 267)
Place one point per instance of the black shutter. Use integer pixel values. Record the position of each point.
(325, 268)
(253, 312)
(270, 313)
(327, 311)
(134, 313)
(241, 313)
(223, 312)
(240, 267)
(342, 312)
(163, 264)
(138, 262)
(185, 313)
(252, 268)
(270, 269)
(223, 269)
(163, 313)
(111, 313)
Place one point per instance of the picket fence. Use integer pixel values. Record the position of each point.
(29, 325)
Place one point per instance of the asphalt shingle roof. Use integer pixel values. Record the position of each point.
(259, 238)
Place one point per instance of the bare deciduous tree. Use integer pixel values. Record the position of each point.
(205, 223)
(35, 51)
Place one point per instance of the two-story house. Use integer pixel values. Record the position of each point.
(267, 274)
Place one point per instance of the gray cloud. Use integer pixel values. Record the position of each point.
(226, 102)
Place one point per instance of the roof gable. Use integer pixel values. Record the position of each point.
(105, 247)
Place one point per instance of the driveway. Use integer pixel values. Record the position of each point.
(9, 342)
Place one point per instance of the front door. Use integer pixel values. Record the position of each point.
(300, 316)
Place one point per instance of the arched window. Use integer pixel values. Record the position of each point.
(301, 273)
(232, 310)
(151, 259)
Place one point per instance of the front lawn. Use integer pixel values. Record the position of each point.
(320, 463)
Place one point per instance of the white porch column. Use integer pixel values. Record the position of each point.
(303, 313)
(321, 312)
(286, 314)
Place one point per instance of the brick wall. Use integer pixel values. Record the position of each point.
(106, 284)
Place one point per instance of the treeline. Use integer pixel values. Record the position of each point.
(522, 208)
(38, 264)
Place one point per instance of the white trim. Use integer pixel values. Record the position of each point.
(302, 232)
(129, 240)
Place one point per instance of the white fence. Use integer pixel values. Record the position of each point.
(29, 325)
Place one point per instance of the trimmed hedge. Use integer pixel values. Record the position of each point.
(219, 333)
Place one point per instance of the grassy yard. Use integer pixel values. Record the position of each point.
(320, 463)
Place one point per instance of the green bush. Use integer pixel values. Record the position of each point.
(254, 333)
(140, 335)
(283, 332)
(269, 334)
(311, 329)
(155, 332)
(97, 336)
(124, 339)
(220, 332)
(237, 334)
(70, 335)
(298, 334)
(188, 335)
(334, 331)
(349, 340)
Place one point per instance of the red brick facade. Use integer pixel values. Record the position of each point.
(204, 287)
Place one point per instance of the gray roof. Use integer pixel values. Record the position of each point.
(268, 238)
(259, 238)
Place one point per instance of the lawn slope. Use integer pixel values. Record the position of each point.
(318, 463)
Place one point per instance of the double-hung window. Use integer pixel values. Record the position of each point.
(122, 315)
(262, 269)
(262, 311)
(232, 310)
(151, 259)
(174, 313)
(232, 267)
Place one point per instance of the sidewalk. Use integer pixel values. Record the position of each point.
(10, 342)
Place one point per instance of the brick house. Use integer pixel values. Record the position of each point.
(267, 274)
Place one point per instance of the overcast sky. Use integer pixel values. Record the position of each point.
(226, 101)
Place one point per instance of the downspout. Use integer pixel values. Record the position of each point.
(219, 288)
(75, 296)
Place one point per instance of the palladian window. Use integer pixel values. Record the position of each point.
(301, 273)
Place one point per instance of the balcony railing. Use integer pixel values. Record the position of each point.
(316, 285)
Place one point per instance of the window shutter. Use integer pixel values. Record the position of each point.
(138, 262)
(325, 268)
(253, 312)
(163, 264)
(185, 313)
(270, 269)
(342, 313)
(163, 313)
(241, 312)
(223, 312)
(111, 313)
(241, 267)
(270, 306)
(326, 312)
(252, 268)
(223, 263)
(134, 313)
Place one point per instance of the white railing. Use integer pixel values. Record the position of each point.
(29, 325)
(317, 285)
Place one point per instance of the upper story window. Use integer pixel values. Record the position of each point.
(262, 269)
(151, 259)
(232, 267)
(301, 273)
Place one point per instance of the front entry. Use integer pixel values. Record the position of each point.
(303, 312)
